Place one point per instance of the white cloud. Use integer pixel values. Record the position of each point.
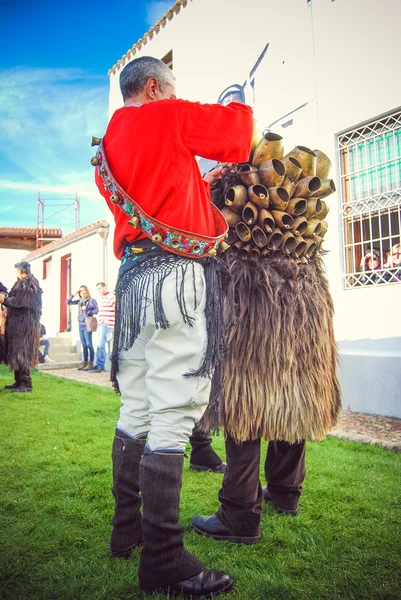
(84, 186)
(155, 10)
(47, 118)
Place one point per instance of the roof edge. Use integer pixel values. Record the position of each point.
(175, 9)
(31, 232)
(67, 239)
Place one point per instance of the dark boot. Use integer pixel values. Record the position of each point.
(238, 518)
(285, 472)
(165, 565)
(88, 367)
(15, 384)
(23, 379)
(83, 366)
(127, 519)
(203, 457)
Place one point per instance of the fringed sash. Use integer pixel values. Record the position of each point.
(141, 279)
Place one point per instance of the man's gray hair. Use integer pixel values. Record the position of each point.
(137, 72)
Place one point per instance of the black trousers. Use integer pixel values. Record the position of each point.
(285, 472)
(241, 493)
(23, 378)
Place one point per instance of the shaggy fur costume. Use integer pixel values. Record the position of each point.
(24, 308)
(280, 378)
(3, 290)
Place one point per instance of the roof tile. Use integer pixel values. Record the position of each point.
(48, 232)
(175, 9)
(78, 233)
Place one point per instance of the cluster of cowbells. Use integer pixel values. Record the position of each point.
(279, 206)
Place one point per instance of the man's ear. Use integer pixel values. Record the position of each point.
(152, 88)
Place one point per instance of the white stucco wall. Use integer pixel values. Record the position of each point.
(92, 260)
(342, 58)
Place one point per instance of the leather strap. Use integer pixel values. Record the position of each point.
(177, 241)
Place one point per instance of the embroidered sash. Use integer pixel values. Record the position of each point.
(177, 241)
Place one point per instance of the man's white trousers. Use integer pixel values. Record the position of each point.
(157, 399)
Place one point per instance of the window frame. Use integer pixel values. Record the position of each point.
(45, 267)
(371, 211)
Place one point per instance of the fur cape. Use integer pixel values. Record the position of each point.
(24, 308)
(280, 378)
(3, 290)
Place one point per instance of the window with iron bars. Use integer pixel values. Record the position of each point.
(370, 172)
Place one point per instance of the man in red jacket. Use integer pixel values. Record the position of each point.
(168, 334)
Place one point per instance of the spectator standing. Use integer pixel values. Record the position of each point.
(105, 324)
(24, 307)
(87, 307)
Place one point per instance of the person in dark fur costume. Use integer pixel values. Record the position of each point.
(24, 308)
(3, 290)
(279, 381)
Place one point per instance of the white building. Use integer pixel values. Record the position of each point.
(324, 74)
(15, 242)
(84, 257)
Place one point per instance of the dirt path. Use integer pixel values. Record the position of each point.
(381, 431)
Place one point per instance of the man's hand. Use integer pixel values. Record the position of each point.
(216, 173)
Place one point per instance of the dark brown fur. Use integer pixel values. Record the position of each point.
(280, 370)
(24, 307)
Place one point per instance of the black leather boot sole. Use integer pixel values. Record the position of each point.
(206, 584)
(214, 528)
(217, 469)
(284, 511)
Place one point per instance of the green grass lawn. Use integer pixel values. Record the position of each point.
(56, 509)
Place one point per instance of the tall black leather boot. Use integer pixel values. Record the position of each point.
(127, 520)
(203, 457)
(165, 565)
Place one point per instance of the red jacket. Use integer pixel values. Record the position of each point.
(151, 152)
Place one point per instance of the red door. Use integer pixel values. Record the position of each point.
(65, 292)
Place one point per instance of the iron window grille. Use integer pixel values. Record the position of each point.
(370, 176)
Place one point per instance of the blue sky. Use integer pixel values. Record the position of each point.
(54, 87)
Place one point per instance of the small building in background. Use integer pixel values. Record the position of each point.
(83, 257)
(15, 242)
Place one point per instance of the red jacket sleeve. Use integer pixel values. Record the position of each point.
(222, 133)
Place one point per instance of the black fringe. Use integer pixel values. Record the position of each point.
(143, 280)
